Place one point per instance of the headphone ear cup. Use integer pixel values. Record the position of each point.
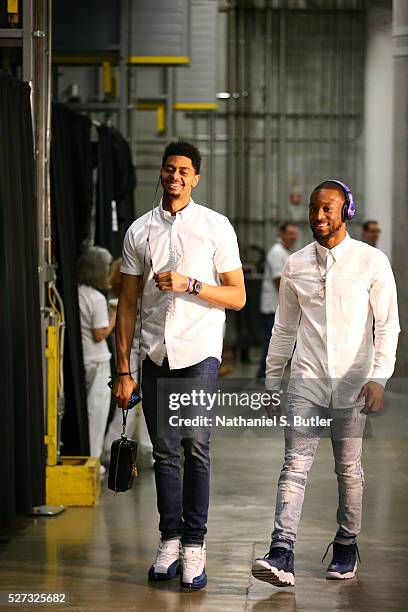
(344, 212)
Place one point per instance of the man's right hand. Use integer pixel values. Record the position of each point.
(122, 390)
(274, 409)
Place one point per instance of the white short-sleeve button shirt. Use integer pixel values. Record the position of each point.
(196, 242)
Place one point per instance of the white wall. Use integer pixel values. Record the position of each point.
(378, 120)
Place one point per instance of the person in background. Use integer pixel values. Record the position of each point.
(97, 322)
(371, 232)
(275, 261)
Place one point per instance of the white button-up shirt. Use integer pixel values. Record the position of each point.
(196, 242)
(335, 352)
(275, 261)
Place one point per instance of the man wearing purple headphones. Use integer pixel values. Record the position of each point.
(330, 293)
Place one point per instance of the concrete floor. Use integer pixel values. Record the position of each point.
(100, 555)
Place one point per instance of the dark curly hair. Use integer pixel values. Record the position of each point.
(185, 149)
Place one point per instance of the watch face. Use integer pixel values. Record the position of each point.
(198, 286)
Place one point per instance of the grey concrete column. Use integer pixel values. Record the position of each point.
(400, 174)
(378, 102)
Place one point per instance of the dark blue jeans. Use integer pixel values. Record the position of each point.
(268, 321)
(183, 506)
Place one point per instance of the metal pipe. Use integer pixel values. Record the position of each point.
(170, 102)
(343, 90)
(48, 227)
(240, 176)
(224, 138)
(332, 93)
(267, 149)
(282, 157)
(322, 100)
(37, 52)
(11, 33)
(211, 159)
(27, 34)
(247, 198)
(231, 125)
(123, 68)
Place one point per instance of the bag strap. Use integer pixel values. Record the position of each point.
(124, 417)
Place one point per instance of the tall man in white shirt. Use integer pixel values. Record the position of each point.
(184, 258)
(330, 291)
(275, 261)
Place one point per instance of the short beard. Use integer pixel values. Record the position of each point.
(324, 239)
(170, 196)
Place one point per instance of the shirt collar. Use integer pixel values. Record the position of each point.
(185, 212)
(336, 251)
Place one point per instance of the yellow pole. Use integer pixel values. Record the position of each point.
(107, 77)
(52, 355)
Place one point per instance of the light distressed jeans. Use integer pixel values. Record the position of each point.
(346, 429)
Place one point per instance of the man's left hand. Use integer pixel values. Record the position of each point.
(373, 393)
(171, 281)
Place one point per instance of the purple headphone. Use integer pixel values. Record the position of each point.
(349, 210)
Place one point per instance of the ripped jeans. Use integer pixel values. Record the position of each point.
(346, 429)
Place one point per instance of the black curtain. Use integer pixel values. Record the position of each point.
(22, 452)
(71, 182)
(116, 182)
(249, 320)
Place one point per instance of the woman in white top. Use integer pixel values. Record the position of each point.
(97, 322)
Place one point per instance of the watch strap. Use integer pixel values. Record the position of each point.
(197, 286)
(190, 287)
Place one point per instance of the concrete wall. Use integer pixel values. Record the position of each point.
(378, 120)
(400, 174)
(372, 190)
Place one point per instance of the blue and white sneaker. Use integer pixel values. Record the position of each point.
(193, 559)
(167, 563)
(343, 566)
(277, 567)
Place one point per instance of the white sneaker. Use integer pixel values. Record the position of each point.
(193, 560)
(167, 563)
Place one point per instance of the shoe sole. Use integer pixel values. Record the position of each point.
(189, 588)
(338, 576)
(264, 572)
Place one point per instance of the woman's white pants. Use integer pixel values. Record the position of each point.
(98, 403)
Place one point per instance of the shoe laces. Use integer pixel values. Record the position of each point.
(343, 551)
(192, 557)
(277, 552)
(165, 553)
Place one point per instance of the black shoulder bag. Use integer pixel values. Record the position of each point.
(122, 466)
